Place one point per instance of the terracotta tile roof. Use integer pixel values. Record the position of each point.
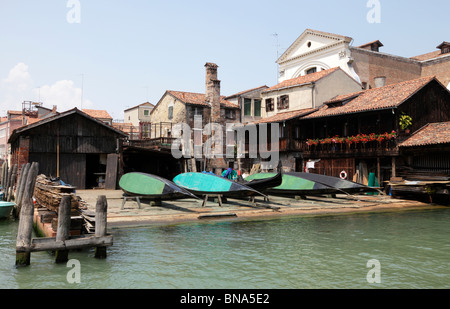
(370, 43)
(430, 134)
(96, 113)
(309, 78)
(286, 116)
(245, 91)
(373, 99)
(428, 56)
(143, 104)
(199, 99)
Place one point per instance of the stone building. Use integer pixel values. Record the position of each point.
(177, 107)
(308, 91)
(249, 102)
(316, 50)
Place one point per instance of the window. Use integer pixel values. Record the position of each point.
(230, 114)
(247, 107)
(170, 116)
(197, 111)
(146, 112)
(283, 102)
(269, 105)
(312, 70)
(257, 108)
(282, 130)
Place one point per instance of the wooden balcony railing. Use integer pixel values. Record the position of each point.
(330, 148)
(160, 142)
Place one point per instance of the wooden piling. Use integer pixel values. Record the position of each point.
(4, 173)
(63, 230)
(101, 209)
(8, 181)
(21, 187)
(13, 183)
(25, 229)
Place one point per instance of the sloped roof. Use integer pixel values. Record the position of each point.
(286, 116)
(246, 91)
(336, 37)
(199, 99)
(306, 79)
(430, 134)
(373, 99)
(97, 113)
(143, 104)
(16, 132)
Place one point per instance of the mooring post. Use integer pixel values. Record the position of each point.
(13, 182)
(25, 229)
(4, 174)
(101, 209)
(63, 230)
(8, 181)
(21, 188)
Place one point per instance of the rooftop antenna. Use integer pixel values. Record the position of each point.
(82, 86)
(146, 98)
(275, 35)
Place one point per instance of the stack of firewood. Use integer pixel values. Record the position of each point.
(49, 193)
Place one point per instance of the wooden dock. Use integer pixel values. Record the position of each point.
(63, 241)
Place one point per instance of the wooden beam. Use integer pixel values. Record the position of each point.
(101, 209)
(63, 230)
(74, 242)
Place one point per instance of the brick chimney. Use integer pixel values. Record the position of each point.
(212, 93)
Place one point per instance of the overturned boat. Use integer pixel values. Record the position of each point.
(299, 184)
(263, 184)
(202, 184)
(152, 187)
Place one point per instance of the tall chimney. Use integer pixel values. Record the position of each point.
(212, 93)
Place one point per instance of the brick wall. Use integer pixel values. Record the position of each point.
(369, 65)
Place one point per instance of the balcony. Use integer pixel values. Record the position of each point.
(362, 145)
(152, 143)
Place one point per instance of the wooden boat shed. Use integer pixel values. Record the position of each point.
(83, 151)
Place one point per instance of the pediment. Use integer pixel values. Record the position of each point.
(310, 41)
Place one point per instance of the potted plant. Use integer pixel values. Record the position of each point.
(405, 122)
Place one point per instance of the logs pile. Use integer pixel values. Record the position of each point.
(49, 194)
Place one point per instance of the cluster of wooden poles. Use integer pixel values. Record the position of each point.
(63, 242)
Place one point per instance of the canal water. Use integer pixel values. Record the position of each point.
(401, 249)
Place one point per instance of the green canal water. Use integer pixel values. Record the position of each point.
(412, 249)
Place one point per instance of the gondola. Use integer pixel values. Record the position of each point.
(264, 184)
(152, 187)
(202, 184)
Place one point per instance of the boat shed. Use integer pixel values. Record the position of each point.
(79, 149)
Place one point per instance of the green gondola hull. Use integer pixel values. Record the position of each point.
(293, 186)
(264, 184)
(203, 184)
(5, 209)
(340, 185)
(152, 187)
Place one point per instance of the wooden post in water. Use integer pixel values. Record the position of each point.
(13, 182)
(63, 230)
(21, 188)
(6, 187)
(25, 229)
(101, 209)
(4, 173)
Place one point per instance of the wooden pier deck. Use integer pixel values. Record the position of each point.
(191, 210)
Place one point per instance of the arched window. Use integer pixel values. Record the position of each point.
(311, 70)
